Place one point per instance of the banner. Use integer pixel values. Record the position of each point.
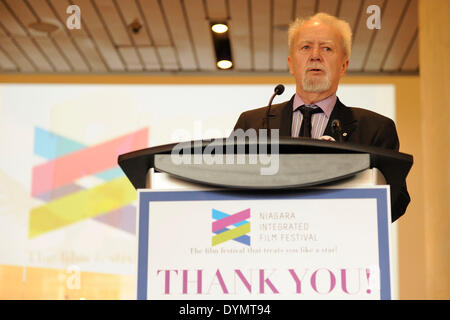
(67, 211)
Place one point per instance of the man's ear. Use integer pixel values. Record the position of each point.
(344, 67)
(291, 69)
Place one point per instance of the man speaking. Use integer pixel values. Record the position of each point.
(319, 53)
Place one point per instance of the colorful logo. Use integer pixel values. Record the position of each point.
(66, 200)
(239, 227)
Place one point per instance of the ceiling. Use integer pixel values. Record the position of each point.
(175, 35)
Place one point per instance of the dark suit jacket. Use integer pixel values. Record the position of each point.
(358, 126)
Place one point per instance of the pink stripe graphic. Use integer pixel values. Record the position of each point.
(68, 168)
(232, 219)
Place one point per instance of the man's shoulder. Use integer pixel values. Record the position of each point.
(254, 118)
(263, 110)
(363, 115)
(255, 112)
(368, 127)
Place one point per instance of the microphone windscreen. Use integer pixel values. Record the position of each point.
(279, 89)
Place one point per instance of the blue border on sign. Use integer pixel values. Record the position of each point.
(380, 194)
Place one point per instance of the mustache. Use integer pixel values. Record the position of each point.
(315, 67)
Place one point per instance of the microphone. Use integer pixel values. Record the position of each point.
(279, 89)
(337, 129)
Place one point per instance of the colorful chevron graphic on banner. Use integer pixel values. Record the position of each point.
(224, 220)
(55, 182)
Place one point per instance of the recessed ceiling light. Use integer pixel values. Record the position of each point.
(219, 28)
(43, 26)
(224, 64)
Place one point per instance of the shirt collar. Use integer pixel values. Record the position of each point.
(326, 104)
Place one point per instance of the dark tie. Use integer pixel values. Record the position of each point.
(307, 111)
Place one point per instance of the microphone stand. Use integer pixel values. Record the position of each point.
(279, 89)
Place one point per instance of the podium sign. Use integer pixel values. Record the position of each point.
(293, 244)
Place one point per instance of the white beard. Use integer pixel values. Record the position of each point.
(316, 84)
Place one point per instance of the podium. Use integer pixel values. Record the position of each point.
(314, 224)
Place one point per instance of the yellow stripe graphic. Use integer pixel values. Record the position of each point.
(231, 234)
(81, 205)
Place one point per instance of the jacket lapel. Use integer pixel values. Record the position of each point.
(345, 116)
(281, 117)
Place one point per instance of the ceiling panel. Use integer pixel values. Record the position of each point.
(100, 34)
(174, 35)
(113, 22)
(241, 46)
(150, 58)
(305, 8)
(403, 39)
(73, 54)
(52, 53)
(16, 54)
(328, 6)
(362, 38)
(39, 59)
(349, 11)
(411, 62)
(61, 38)
(156, 25)
(217, 10)
(131, 57)
(6, 63)
(282, 17)
(21, 13)
(81, 40)
(170, 60)
(383, 37)
(176, 20)
(113, 18)
(9, 22)
(201, 34)
(48, 56)
(261, 34)
(130, 12)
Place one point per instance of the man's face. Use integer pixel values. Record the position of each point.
(317, 58)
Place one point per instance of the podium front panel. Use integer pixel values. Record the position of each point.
(328, 243)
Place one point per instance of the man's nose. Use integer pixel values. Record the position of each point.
(315, 54)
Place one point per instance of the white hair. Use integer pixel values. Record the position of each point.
(342, 27)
